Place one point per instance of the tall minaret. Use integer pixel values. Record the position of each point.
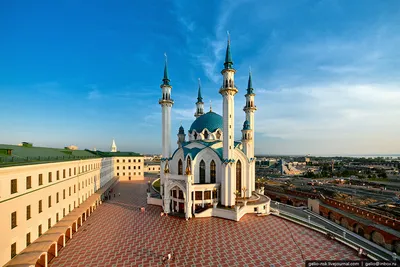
(166, 104)
(249, 110)
(113, 146)
(228, 92)
(199, 103)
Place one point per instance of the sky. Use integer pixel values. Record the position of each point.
(325, 72)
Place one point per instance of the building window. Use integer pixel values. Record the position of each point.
(117, 160)
(123, 167)
(58, 175)
(40, 179)
(49, 223)
(69, 208)
(13, 186)
(202, 172)
(212, 172)
(138, 167)
(49, 201)
(40, 206)
(129, 167)
(117, 167)
(13, 220)
(123, 174)
(134, 160)
(123, 161)
(63, 193)
(134, 167)
(74, 170)
(13, 250)
(129, 160)
(74, 188)
(69, 191)
(138, 160)
(63, 212)
(57, 197)
(50, 178)
(239, 177)
(28, 182)
(117, 173)
(28, 239)
(64, 173)
(70, 172)
(57, 217)
(28, 212)
(39, 230)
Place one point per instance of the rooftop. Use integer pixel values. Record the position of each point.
(27, 154)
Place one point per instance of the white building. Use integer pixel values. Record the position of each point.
(210, 169)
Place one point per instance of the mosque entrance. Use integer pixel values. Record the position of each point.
(177, 201)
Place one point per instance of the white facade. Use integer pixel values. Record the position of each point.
(210, 169)
(44, 194)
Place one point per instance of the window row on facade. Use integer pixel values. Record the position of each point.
(50, 177)
(129, 173)
(129, 161)
(129, 167)
(84, 183)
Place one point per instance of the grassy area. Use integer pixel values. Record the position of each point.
(378, 179)
(156, 185)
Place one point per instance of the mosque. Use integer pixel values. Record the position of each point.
(210, 174)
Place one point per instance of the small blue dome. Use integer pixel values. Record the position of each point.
(210, 121)
(246, 125)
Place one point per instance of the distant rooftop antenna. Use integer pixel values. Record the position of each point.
(165, 55)
(210, 106)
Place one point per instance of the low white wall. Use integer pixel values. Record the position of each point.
(204, 214)
(223, 213)
(154, 201)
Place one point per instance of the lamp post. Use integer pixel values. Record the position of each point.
(148, 186)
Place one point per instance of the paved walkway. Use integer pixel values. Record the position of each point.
(119, 234)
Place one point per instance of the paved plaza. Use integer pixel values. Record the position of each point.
(119, 234)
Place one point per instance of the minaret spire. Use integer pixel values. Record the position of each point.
(228, 56)
(199, 103)
(250, 84)
(199, 98)
(166, 79)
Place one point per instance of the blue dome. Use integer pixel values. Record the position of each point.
(210, 121)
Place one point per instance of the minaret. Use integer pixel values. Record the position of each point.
(113, 146)
(199, 103)
(166, 104)
(228, 92)
(246, 137)
(181, 136)
(249, 110)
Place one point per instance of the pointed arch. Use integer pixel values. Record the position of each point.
(239, 176)
(218, 134)
(202, 172)
(188, 165)
(212, 172)
(226, 83)
(230, 83)
(180, 167)
(205, 134)
(195, 135)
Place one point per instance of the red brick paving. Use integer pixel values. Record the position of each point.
(119, 234)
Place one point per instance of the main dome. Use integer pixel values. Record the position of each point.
(210, 121)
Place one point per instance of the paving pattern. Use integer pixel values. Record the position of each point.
(119, 234)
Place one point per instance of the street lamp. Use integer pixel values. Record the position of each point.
(148, 186)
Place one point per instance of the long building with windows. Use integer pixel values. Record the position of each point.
(41, 186)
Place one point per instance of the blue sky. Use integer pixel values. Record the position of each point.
(325, 72)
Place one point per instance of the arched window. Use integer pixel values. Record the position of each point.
(212, 172)
(180, 167)
(218, 135)
(230, 82)
(202, 172)
(239, 177)
(188, 166)
(205, 135)
(226, 83)
(195, 135)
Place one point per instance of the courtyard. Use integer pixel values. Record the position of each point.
(118, 233)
